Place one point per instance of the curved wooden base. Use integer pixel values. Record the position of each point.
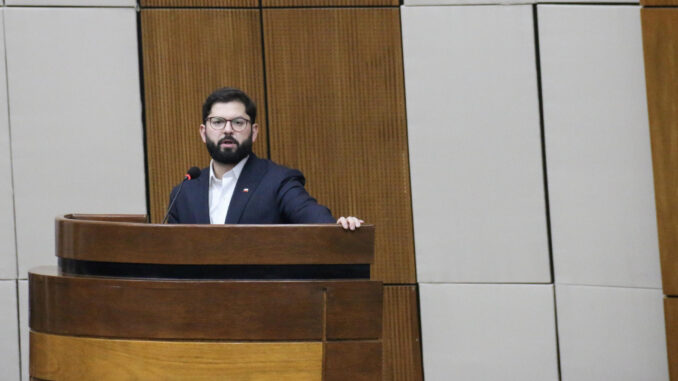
(56, 357)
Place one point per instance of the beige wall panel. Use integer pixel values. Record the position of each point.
(488, 332)
(23, 327)
(9, 331)
(335, 87)
(75, 114)
(611, 333)
(601, 194)
(187, 54)
(660, 44)
(475, 144)
(55, 357)
(59, 3)
(401, 339)
(7, 242)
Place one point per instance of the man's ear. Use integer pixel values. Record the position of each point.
(202, 133)
(255, 132)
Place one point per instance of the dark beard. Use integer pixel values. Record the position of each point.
(227, 156)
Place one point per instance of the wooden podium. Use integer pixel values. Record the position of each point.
(138, 301)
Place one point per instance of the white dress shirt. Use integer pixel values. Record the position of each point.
(221, 191)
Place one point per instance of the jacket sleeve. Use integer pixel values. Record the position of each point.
(296, 205)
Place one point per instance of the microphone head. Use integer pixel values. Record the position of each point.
(193, 173)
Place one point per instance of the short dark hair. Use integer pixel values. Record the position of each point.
(229, 94)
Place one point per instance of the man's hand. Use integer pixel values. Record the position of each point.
(350, 223)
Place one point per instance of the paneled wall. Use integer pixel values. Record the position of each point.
(530, 163)
(329, 84)
(660, 42)
(71, 136)
(506, 146)
(603, 223)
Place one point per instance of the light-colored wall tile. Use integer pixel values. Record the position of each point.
(9, 335)
(601, 190)
(475, 144)
(488, 332)
(88, 3)
(23, 327)
(7, 244)
(464, 2)
(611, 333)
(75, 113)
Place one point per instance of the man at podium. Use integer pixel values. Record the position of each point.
(238, 187)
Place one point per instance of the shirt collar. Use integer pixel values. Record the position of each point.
(235, 171)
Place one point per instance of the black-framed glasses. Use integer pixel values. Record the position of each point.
(218, 123)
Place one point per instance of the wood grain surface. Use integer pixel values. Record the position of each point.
(187, 54)
(660, 44)
(135, 218)
(337, 112)
(671, 321)
(54, 357)
(201, 309)
(212, 244)
(200, 3)
(354, 310)
(352, 360)
(402, 342)
(328, 3)
(659, 3)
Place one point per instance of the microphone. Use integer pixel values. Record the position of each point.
(192, 174)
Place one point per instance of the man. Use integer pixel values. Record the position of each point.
(238, 187)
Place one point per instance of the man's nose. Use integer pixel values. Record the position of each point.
(228, 127)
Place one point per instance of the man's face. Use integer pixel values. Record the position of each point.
(228, 146)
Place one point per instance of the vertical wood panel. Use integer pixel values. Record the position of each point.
(199, 3)
(660, 44)
(187, 54)
(335, 85)
(664, 3)
(671, 317)
(402, 344)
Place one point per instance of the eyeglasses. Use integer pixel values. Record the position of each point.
(218, 123)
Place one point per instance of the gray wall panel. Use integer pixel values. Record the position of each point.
(23, 328)
(7, 243)
(475, 144)
(488, 332)
(89, 3)
(598, 147)
(75, 112)
(9, 335)
(611, 333)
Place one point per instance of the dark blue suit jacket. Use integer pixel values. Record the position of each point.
(266, 193)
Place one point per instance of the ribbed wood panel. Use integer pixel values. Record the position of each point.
(187, 54)
(336, 93)
(671, 318)
(660, 44)
(663, 3)
(54, 357)
(328, 3)
(402, 343)
(200, 3)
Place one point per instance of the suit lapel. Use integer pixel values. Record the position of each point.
(202, 210)
(247, 183)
